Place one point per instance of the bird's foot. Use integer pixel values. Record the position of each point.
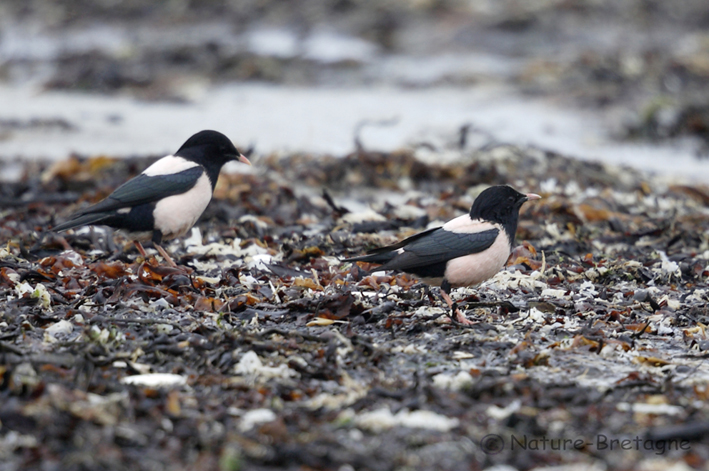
(154, 274)
(456, 315)
(171, 268)
(460, 318)
(144, 257)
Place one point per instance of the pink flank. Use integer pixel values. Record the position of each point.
(475, 268)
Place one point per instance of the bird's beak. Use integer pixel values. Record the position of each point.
(243, 159)
(532, 196)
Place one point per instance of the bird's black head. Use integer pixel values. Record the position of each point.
(212, 150)
(500, 204)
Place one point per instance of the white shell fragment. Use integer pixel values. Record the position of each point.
(73, 257)
(656, 409)
(382, 419)
(501, 413)
(363, 216)
(454, 382)
(156, 380)
(39, 291)
(256, 417)
(62, 327)
(554, 293)
(259, 261)
(250, 364)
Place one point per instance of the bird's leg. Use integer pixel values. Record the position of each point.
(456, 314)
(157, 240)
(140, 248)
(165, 255)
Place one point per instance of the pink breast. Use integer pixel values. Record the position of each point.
(475, 268)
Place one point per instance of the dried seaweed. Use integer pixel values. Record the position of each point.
(271, 353)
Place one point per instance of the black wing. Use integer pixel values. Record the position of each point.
(438, 246)
(384, 254)
(147, 189)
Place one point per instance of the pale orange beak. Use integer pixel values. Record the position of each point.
(532, 196)
(244, 160)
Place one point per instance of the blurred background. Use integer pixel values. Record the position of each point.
(621, 81)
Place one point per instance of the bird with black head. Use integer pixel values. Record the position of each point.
(165, 200)
(465, 251)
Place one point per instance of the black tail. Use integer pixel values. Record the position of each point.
(379, 257)
(82, 220)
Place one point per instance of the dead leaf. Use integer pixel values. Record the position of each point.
(306, 283)
(110, 270)
(321, 322)
(651, 361)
